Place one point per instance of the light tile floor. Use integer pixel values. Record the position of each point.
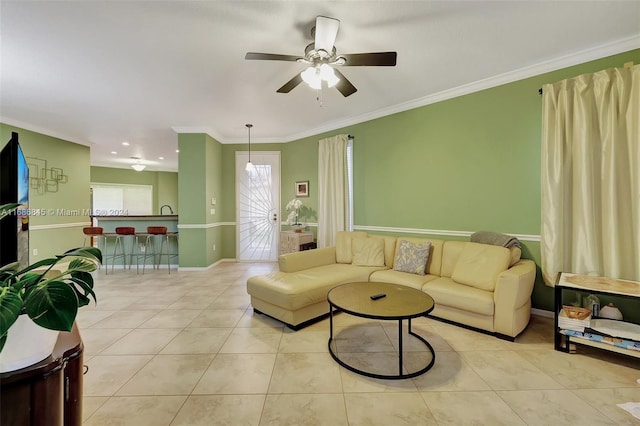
(187, 349)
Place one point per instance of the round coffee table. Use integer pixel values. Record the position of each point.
(400, 303)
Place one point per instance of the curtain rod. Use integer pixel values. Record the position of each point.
(348, 137)
(625, 65)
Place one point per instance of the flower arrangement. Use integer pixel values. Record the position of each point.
(293, 207)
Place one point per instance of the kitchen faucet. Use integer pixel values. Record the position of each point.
(166, 205)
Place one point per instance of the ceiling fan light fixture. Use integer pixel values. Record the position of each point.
(328, 74)
(138, 167)
(311, 76)
(314, 76)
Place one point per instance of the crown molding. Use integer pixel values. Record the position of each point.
(602, 51)
(198, 129)
(42, 130)
(554, 64)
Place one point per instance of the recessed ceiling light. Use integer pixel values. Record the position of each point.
(160, 158)
(177, 150)
(114, 152)
(125, 143)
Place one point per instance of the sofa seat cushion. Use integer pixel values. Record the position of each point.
(402, 278)
(296, 290)
(447, 292)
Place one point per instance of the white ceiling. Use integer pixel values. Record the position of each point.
(103, 72)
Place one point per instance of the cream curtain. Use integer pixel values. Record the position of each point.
(332, 189)
(591, 175)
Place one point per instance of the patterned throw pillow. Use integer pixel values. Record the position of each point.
(412, 258)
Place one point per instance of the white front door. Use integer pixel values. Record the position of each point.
(257, 206)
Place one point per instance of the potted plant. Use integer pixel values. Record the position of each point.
(293, 207)
(48, 292)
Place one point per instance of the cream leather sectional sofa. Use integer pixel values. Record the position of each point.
(487, 287)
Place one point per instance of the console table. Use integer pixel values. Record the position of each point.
(291, 241)
(596, 285)
(48, 393)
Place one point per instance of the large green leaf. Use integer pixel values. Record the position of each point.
(10, 307)
(82, 265)
(92, 253)
(53, 305)
(85, 284)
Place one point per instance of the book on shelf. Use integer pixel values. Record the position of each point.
(566, 323)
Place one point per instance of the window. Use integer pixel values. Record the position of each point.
(121, 200)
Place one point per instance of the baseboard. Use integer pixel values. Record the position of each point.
(542, 313)
(204, 268)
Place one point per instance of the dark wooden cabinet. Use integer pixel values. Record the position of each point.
(48, 393)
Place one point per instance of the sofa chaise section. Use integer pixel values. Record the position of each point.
(297, 292)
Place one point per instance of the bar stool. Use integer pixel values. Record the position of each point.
(96, 234)
(121, 233)
(153, 233)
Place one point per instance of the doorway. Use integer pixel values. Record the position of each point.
(257, 206)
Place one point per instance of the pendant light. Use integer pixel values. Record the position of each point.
(249, 166)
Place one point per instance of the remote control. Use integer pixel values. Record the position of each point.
(378, 296)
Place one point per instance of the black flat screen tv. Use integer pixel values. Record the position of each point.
(14, 188)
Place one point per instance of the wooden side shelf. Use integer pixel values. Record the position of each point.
(596, 285)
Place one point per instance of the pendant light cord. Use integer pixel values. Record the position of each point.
(249, 126)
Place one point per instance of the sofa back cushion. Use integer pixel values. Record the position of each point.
(450, 253)
(368, 251)
(343, 245)
(480, 264)
(389, 250)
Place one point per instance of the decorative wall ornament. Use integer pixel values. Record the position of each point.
(302, 189)
(44, 179)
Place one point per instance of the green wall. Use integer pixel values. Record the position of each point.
(62, 214)
(200, 180)
(165, 184)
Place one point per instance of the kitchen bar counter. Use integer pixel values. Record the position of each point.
(140, 223)
(138, 217)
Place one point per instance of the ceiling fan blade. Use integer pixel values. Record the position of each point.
(291, 84)
(326, 32)
(270, 57)
(344, 86)
(375, 59)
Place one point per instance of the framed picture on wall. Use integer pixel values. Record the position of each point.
(302, 189)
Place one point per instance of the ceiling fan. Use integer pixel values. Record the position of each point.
(321, 56)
